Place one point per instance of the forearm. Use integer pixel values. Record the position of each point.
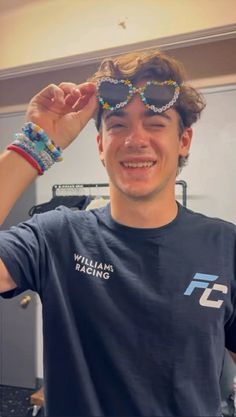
(16, 174)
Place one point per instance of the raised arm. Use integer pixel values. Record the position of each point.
(62, 112)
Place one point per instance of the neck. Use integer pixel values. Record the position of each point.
(143, 213)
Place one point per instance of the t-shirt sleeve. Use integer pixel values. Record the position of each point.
(230, 335)
(23, 251)
(230, 327)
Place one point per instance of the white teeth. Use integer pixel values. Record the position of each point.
(147, 164)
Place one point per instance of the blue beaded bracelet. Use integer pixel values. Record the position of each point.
(41, 140)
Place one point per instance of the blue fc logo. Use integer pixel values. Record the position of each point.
(203, 281)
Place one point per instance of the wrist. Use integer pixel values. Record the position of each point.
(36, 147)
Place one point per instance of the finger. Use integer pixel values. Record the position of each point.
(67, 90)
(51, 93)
(86, 88)
(67, 87)
(87, 112)
(79, 104)
(64, 93)
(71, 100)
(73, 91)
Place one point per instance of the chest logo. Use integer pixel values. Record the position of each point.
(203, 281)
(91, 268)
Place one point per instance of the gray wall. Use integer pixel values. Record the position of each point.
(18, 326)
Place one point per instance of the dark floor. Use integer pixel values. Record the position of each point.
(15, 401)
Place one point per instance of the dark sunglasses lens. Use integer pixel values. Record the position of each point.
(159, 95)
(113, 93)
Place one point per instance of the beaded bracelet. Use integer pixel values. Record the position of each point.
(42, 142)
(46, 156)
(44, 160)
(36, 147)
(26, 156)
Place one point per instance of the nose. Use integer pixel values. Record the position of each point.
(138, 137)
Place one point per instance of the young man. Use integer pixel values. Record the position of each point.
(139, 296)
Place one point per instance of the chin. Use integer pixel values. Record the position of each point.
(137, 193)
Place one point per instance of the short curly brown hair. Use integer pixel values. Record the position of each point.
(154, 65)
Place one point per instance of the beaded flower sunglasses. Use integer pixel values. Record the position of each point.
(157, 96)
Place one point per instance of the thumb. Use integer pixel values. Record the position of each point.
(87, 112)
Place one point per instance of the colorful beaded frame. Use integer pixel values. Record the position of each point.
(131, 90)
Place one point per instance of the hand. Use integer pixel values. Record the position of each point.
(63, 111)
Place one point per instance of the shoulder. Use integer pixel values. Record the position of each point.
(200, 220)
(66, 217)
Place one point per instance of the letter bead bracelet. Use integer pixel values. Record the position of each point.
(35, 146)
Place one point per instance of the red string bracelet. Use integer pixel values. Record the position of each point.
(26, 156)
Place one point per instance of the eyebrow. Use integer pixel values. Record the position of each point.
(122, 113)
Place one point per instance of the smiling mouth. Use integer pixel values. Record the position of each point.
(145, 164)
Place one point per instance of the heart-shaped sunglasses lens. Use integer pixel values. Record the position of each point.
(113, 94)
(160, 95)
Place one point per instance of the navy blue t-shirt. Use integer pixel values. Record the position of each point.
(135, 321)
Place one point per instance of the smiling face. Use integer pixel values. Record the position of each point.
(140, 150)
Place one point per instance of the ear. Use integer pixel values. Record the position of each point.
(100, 147)
(185, 141)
